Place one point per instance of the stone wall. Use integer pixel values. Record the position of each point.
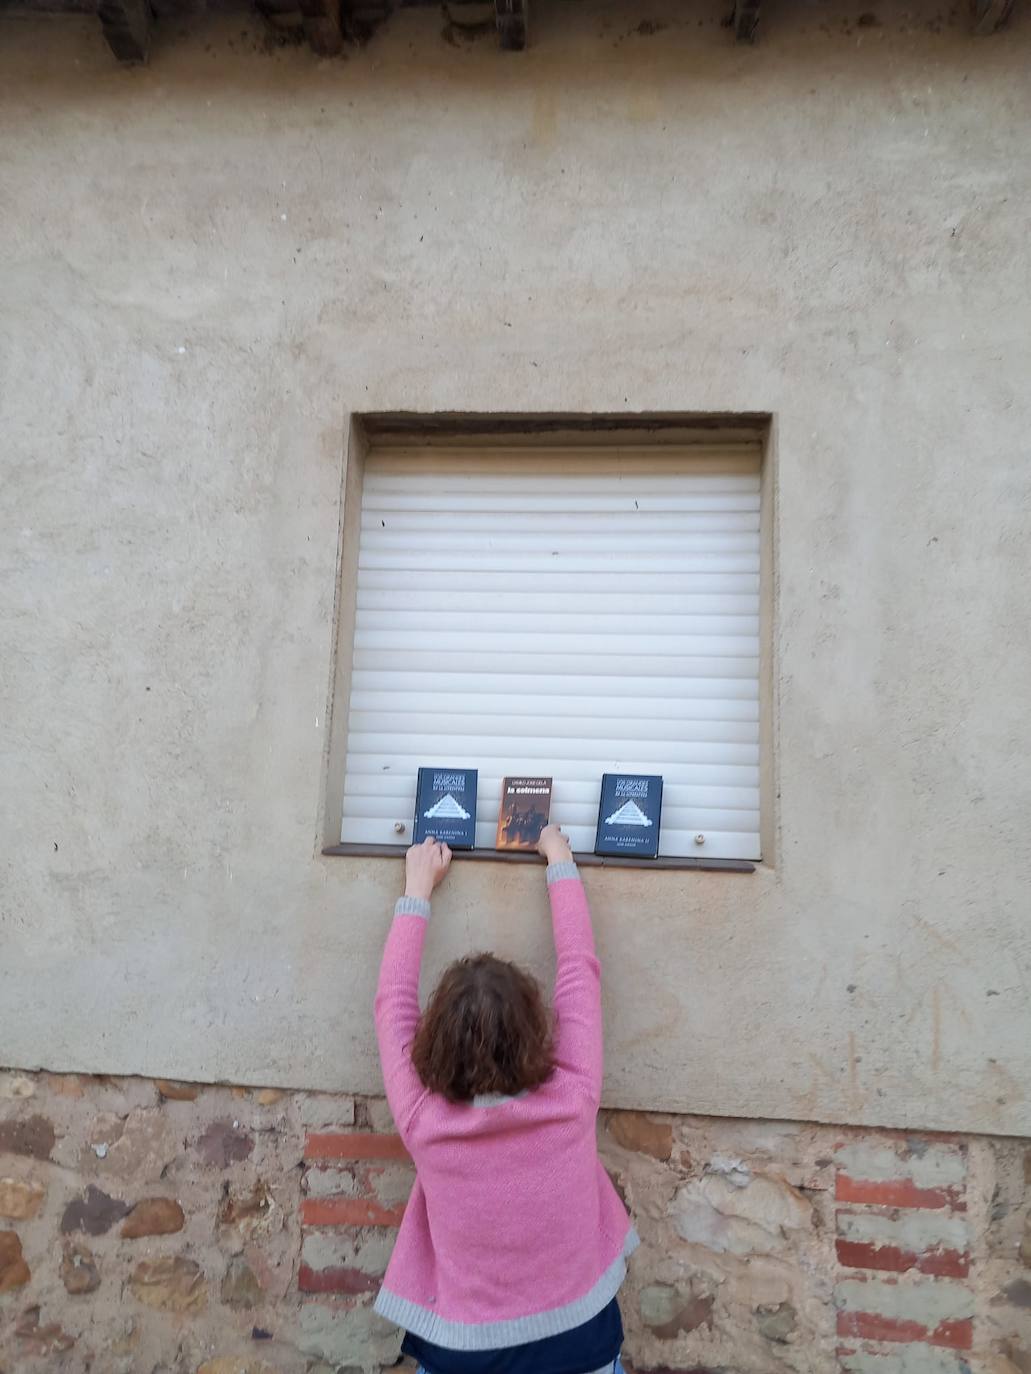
(151, 1226)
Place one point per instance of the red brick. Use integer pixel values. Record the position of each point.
(958, 1335)
(337, 1280)
(354, 1145)
(869, 1326)
(895, 1192)
(348, 1211)
(950, 1264)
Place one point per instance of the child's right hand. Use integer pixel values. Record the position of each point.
(426, 865)
(554, 846)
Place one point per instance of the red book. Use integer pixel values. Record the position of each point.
(525, 811)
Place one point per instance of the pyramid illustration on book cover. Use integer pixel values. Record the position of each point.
(447, 808)
(628, 814)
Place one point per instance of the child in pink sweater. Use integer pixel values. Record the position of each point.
(514, 1242)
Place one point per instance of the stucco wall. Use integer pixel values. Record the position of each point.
(208, 265)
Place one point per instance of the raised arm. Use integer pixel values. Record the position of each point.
(577, 1001)
(397, 993)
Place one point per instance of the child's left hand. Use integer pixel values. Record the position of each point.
(426, 865)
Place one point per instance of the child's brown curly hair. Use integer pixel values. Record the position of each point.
(486, 1029)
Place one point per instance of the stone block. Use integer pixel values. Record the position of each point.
(174, 1091)
(14, 1272)
(378, 1112)
(325, 1109)
(224, 1143)
(251, 1212)
(1018, 1293)
(170, 1285)
(14, 1087)
(94, 1213)
(636, 1131)
(778, 1323)
(240, 1287)
(390, 1184)
(79, 1271)
(617, 1182)
(154, 1216)
(20, 1200)
(353, 1336)
(64, 1084)
(727, 1218)
(137, 1148)
(365, 1250)
(333, 1183)
(39, 1340)
(33, 1136)
(670, 1311)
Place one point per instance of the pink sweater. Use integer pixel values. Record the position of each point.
(513, 1231)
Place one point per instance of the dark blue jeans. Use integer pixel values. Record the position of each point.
(615, 1368)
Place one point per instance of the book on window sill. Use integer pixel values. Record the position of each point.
(525, 811)
(629, 815)
(445, 806)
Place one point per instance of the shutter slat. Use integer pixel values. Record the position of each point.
(558, 543)
(400, 661)
(482, 622)
(435, 529)
(569, 613)
(531, 687)
(516, 560)
(543, 642)
(402, 707)
(401, 791)
(599, 582)
(554, 603)
(403, 511)
(579, 766)
(676, 751)
(574, 813)
(540, 726)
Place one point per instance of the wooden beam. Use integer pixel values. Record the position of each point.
(322, 26)
(511, 17)
(126, 25)
(746, 20)
(990, 15)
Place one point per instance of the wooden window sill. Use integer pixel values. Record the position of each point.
(397, 851)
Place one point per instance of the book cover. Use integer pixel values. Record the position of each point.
(629, 815)
(445, 806)
(525, 811)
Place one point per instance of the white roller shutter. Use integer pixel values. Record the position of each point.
(565, 612)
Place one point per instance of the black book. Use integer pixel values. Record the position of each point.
(629, 815)
(445, 806)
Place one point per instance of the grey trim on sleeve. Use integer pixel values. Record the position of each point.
(566, 869)
(412, 906)
(457, 1335)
